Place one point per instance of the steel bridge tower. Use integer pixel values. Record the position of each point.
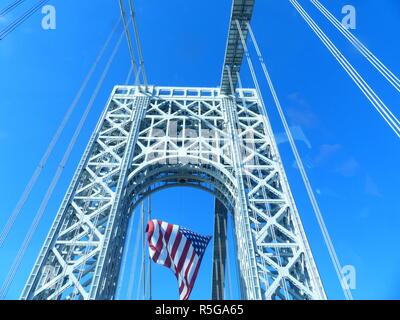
(151, 138)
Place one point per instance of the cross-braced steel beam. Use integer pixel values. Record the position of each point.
(172, 137)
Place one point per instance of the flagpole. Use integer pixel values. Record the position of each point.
(143, 251)
(149, 218)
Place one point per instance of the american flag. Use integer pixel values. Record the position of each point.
(179, 249)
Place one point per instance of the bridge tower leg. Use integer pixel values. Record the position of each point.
(219, 254)
(84, 247)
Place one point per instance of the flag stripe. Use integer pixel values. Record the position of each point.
(159, 241)
(187, 281)
(183, 256)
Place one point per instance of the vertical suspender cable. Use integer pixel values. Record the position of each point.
(21, 253)
(28, 189)
(306, 181)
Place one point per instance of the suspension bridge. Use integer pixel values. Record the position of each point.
(216, 139)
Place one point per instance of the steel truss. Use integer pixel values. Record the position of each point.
(171, 137)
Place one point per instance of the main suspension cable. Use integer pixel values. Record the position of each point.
(10, 7)
(385, 71)
(128, 36)
(28, 189)
(370, 94)
(13, 25)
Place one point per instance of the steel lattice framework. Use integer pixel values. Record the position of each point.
(171, 137)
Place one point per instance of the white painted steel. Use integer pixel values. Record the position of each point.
(171, 137)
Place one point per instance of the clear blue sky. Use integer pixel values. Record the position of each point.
(352, 157)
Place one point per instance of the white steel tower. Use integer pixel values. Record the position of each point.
(149, 138)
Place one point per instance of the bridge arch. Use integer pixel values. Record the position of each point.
(209, 176)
